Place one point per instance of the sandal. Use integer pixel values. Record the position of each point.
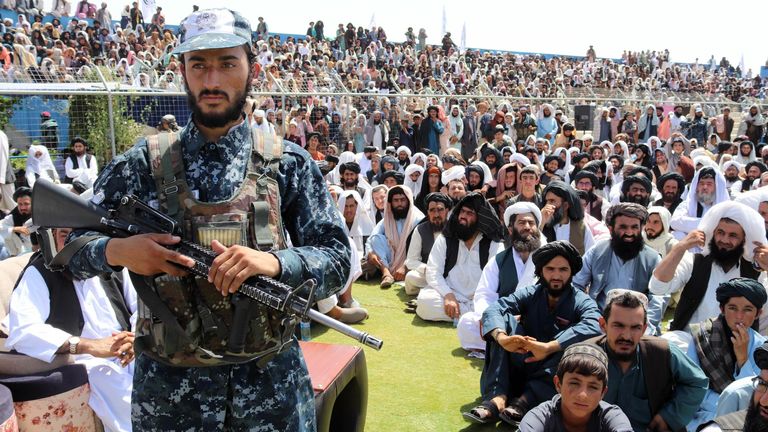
(514, 412)
(475, 414)
(387, 281)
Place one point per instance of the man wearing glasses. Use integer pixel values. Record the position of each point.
(755, 417)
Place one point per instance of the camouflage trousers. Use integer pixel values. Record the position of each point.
(242, 397)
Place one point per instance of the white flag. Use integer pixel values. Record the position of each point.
(445, 22)
(148, 8)
(463, 46)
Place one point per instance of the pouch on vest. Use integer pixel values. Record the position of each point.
(188, 322)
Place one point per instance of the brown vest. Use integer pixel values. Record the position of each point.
(655, 362)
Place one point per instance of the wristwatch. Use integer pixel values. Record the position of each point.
(73, 341)
(495, 334)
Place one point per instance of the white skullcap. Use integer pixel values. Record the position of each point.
(522, 207)
(258, 113)
(455, 172)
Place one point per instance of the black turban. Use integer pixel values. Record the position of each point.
(369, 149)
(567, 194)
(761, 166)
(488, 221)
(627, 209)
(671, 176)
(550, 158)
(629, 181)
(440, 198)
(549, 251)
(477, 169)
(579, 157)
(398, 176)
(707, 172)
(587, 175)
(618, 158)
(334, 159)
(23, 191)
(640, 170)
(349, 166)
(748, 288)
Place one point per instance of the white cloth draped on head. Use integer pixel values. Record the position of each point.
(522, 207)
(749, 220)
(654, 142)
(564, 173)
(488, 176)
(721, 191)
(396, 240)
(362, 225)
(453, 173)
(663, 213)
(731, 163)
(624, 149)
(520, 159)
(704, 161)
(415, 186)
(753, 198)
(39, 165)
(344, 157)
(419, 156)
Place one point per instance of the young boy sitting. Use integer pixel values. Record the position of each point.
(581, 381)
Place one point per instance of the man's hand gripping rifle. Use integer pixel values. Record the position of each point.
(54, 207)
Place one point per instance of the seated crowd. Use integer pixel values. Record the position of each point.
(556, 255)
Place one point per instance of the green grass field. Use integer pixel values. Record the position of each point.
(421, 380)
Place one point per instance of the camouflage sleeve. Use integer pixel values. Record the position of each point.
(321, 248)
(126, 174)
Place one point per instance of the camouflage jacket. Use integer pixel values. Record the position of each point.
(214, 172)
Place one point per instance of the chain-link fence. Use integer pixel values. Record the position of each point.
(110, 111)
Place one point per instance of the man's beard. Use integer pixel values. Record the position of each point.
(621, 357)
(705, 198)
(465, 232)
(732, 178)
(655, 236)
(350, 184)
(557, 216)
(552, 292)
(624, 249)
(638, 199)
(669, 197)
(232, 113)
(437, 227)
(725, 258)
(400, 213)
(525, 242)
(754, 421)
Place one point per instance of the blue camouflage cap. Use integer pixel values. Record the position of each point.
(213, 29)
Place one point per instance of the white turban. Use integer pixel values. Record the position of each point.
(455, 172)
(487, 175)
(520, 158)
(750, 220)
(731, 163)
(258, 113)
(522, 207)
(753, 198)
(705, 161)
(405, 149)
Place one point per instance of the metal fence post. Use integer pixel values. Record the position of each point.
(111, 112)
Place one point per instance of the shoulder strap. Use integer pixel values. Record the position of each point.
(167, 169)
(65, 254)
(451, 254)
(267, 146)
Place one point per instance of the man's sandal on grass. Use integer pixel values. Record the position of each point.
(486, 412)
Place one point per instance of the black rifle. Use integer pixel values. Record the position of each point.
(54, 207)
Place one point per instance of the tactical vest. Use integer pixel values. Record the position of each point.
(204, 319)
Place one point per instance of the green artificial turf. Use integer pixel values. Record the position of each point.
(421, 380)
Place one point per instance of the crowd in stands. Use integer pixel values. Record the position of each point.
(36, 46)
(554, 253)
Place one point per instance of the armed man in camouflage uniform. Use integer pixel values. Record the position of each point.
(218, 155)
